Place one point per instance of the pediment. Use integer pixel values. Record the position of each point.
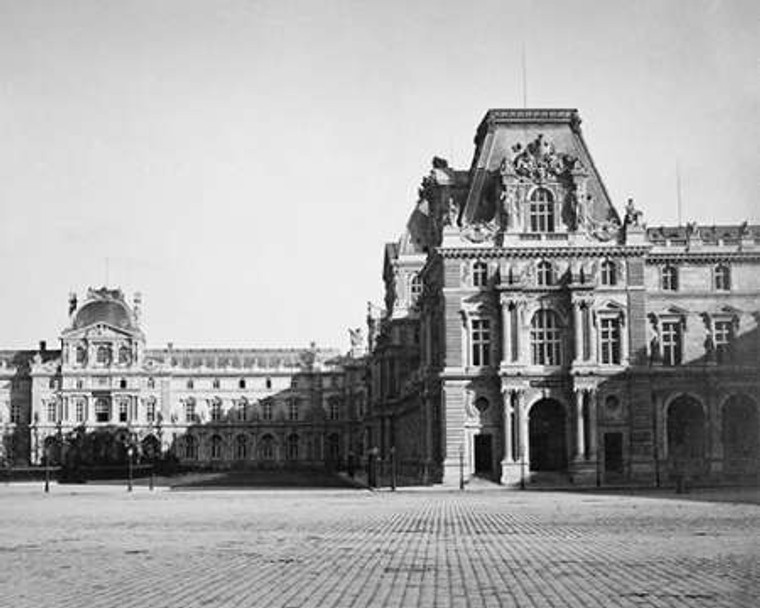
(100, 330)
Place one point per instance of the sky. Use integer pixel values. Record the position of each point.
(241, 163)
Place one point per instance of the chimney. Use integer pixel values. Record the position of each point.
(43, 346)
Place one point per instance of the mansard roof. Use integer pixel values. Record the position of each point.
(506, 134)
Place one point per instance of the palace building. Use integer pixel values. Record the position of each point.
(210, 407)
(531, 330)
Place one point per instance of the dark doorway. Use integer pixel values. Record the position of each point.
(741, 447)
(547, 442)
(613, 452)
(686, 435)
(483, 455)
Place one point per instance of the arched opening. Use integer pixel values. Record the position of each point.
(333, 449)
(547, 436)
(686, 434)
(740, 435)
(151, 448)
(266, 448)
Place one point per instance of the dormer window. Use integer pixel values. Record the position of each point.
(541, 211)
(609, 273)
(669, 278)
(722, 278)
(544, 274)
(479, 274)
(125, 355)
(81, 355)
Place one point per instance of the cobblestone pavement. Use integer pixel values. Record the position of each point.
(101, 546)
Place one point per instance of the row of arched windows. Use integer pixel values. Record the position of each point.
(242, 448)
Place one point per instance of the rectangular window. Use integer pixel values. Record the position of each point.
(723, 335)
(481, 342)
(102, 410)
(81, 410)
(334, 410)
(293, 409)
(190, 411)
(610, 341)
(15, 413)
(150, 411)
(266, 410)
(123, 405)
(672, 351)
(216, 411)
(52, 411)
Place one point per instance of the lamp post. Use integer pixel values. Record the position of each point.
(130, 451)
(393, 468)
(461, 467)
(47, 468)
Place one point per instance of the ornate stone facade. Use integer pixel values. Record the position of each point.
(219, 407)
(554, 337)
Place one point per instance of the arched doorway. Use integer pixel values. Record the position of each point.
(547, 436)
(686, 434)
(740, 435)
(151, 448)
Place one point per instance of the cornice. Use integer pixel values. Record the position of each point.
(545, 252)
(704, 257)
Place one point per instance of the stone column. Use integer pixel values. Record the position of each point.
(578, 321)
(592, 418)
(507, 414)
(580, 440)
(522, 421)
(506, 324)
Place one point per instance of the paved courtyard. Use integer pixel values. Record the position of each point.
(100, 546)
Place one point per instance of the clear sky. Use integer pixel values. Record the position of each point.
(241, 162)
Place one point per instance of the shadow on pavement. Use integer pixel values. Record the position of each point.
(281, 479)
(741, 495)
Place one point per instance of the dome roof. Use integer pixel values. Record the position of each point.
(110, 311)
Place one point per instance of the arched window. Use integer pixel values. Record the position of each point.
(722, 278)
(334, 409)
(541, 211)
(292, 447)
(546, 338)
(669, 278)
(125, 355)
(243, 410)
(241, 383)
(544, 274)
(216, 447)
(191, 448)
(479, 274)
(609, 273)
(81, 356)
(241, 447)
(103, 355)
(102, 409)
(268, 383)
(267, 447)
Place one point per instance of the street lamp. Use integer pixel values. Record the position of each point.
(461, 467)
(130, 451)
(47, 468)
